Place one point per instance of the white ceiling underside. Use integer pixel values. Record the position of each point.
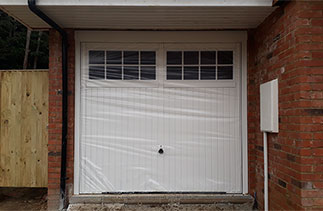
(142, 14)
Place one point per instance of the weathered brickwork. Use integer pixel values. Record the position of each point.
(288, 45)
(55, 115)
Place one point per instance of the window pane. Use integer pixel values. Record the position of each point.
(225, 72)
(207, 73)
(191, 73)
(96, 57)
(114, 57)
(131, 57)
(148, 57)
(114, 72)
(208, 57)
(130, 73)
(96, 72)
(174, 57)
(174, 73)
(225, 57)
(148, 73)
(191, 57)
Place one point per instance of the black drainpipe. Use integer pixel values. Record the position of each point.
(32, 6)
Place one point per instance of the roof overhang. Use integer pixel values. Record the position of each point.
(143, 14)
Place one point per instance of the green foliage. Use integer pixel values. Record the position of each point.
(12, 45)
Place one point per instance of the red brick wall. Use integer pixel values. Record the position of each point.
(288, 45)
(55, 116)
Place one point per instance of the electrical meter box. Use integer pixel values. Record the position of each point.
(269, 106)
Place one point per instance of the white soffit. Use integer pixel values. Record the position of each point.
(143, 14)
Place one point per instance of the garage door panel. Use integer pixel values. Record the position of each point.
(200, 126)
(122, 137)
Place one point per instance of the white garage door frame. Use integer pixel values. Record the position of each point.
(174, 38)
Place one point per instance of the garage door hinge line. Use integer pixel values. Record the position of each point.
(32, 6)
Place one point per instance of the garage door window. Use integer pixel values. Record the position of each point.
(199, 65)
(159, 64)
(122, 65)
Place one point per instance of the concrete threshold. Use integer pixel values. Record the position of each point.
(162, 199)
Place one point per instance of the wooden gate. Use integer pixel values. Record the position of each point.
(23, 128)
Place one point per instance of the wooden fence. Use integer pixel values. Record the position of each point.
(23, 128)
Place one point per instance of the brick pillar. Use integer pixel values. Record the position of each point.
(288, 45)
(55, 116)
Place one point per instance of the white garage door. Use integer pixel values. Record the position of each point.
(160, 118)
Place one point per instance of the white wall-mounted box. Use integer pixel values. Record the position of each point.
(269, 106)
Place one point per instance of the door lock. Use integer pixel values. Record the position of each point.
(161, 151)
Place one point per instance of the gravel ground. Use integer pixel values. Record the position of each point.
(23, 199)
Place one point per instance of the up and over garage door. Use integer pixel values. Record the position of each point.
(160, 117)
